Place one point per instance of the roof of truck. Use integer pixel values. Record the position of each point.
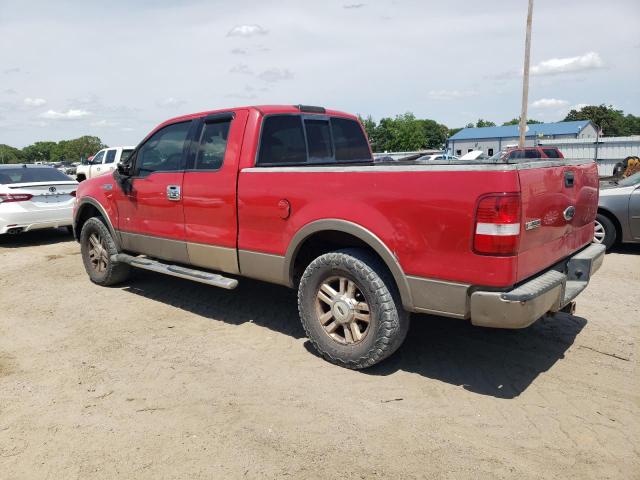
(264, 109)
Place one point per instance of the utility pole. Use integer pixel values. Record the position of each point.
(525, 77)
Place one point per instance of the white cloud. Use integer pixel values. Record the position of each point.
(104, 123)
(238, 51)
(578, 106)
(242, 69)
(170, 102)
(246, 31)
(550, 103)
(34, 102)
(353, 5)
(275, 75)
(451, 94)
(555, 66)
(71, 114)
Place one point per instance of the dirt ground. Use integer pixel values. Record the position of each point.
(164, 378)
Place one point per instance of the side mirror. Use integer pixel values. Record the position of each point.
(124, 169)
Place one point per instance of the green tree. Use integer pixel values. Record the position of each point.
(10, 154)
(516, 121)
(435, 133)
(82, 147)
(38, 152)
(484, 123)
(369, 127)
(611, 121)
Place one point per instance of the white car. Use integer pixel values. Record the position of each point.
(34, 197)
(105, 161)
(437, 157)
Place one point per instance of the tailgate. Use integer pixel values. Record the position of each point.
(559, 204)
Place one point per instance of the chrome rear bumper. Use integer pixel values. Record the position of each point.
(548, 292)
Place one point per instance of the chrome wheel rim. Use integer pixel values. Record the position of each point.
(343, 310)
(98, 255)
(598, 233)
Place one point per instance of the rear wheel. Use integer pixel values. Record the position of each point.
(604, 231)
(350, 309)
(97, 247)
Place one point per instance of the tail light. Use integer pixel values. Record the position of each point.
(15, 197)
(497, 229)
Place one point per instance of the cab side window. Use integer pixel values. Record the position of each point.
(212, 145)
(163, 151)
(111, 156)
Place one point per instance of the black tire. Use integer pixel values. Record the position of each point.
(610, 233)
(108, 272)
(388, 322)
(80, 178)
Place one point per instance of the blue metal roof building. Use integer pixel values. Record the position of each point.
(493, 139)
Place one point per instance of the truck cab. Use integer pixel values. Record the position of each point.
(103, 162)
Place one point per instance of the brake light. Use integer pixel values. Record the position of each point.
(15, 197)
(497, 230)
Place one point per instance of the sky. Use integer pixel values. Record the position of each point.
(118, 68)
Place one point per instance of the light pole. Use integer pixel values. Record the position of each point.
(525, 77)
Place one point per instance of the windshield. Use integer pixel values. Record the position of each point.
(629, 181)
(28, 175)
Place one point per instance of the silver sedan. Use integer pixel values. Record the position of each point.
(618, 218)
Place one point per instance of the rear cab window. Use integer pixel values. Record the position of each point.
(551, 153)
(10, 176)
(292, 139)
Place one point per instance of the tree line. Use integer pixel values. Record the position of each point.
(403, 132)
(65, 150)
(407, 133)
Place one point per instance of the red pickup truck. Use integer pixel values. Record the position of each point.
(291, 195)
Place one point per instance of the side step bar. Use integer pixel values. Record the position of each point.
(176, 271)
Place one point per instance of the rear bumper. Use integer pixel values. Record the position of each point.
(25, 227)
(547, 292)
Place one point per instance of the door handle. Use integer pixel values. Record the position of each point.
(173, 192)
(568, 179)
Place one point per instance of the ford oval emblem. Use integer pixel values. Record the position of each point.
(52, 189)
(569, 213)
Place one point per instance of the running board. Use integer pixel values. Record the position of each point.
(176, 271)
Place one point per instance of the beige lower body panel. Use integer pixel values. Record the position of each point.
(263, 266)
(439, 297)
(213, 257)
(156, 247)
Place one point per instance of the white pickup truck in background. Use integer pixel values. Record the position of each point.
(105, 161)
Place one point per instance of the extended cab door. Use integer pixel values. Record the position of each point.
(96, 164)
(109, 161)
(209, 191)
(150, 212)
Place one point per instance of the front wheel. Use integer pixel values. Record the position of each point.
(97, 247)
(604, 231)
(350, 309)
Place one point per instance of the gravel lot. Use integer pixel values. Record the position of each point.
(164, 378)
